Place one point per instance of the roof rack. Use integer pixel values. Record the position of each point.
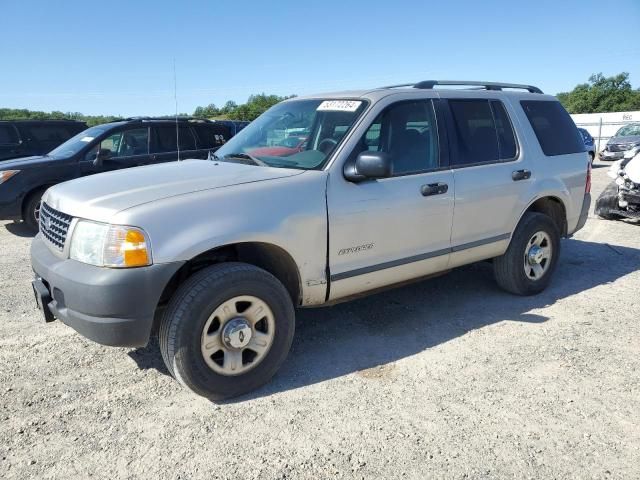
(429, 84)
(167, 118)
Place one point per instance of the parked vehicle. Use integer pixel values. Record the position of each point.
(621, 199)
(589, 143)
(22, 138)
(625, 139)
(111, 146)
(234, 126)
(394, 184)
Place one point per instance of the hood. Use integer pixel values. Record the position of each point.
(26, 162)
(99, 197)
(623, 140)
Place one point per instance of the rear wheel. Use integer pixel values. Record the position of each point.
(227, 330)
(528, 264)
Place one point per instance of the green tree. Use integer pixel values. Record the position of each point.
(255, 106)
(24, 114)
(602, 94)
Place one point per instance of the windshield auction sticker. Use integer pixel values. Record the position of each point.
(339, 106)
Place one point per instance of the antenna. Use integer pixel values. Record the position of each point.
(175, 98)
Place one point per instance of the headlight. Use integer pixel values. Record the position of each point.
(106, 245)
(7, 174)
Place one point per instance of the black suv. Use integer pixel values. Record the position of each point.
(111, 146)
(21, 138)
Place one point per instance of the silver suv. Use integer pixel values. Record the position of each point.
(320, 199)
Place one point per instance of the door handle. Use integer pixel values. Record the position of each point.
(520, 175)
(434, 189)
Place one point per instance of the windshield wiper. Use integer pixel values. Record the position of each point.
(246, 156)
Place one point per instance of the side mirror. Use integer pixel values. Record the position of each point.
(102, 155)
(369, 165)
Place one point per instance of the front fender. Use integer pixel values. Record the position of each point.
(289, 213)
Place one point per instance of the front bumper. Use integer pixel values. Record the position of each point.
(611, 156)
(107, 305)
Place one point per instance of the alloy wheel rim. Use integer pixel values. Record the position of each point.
(238, 335)
(537, 255)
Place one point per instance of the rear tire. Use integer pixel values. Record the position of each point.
(31, 211)
(517, 271)
(197, 314)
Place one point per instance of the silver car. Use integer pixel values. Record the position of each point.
(626, 139)
(391, 184)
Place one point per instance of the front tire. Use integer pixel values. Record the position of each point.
(31, 213)
(227, 330)
(528, 264)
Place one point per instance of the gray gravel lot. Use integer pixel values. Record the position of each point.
(448, 378)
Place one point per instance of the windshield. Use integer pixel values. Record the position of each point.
(294, 134)
(629, 130)
(77, 143)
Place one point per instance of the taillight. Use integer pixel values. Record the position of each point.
(587, 187)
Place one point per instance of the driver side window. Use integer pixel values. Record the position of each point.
(127, 143)
(407, 132)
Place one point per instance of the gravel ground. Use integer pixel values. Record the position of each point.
(448, 378)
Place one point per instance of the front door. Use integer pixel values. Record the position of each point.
(124, 149)
(394, 229)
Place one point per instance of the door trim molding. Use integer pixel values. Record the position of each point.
(417, 258)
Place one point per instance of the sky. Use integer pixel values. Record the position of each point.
(117, 57)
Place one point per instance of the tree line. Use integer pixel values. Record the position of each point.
(599, 95)
(602, 94)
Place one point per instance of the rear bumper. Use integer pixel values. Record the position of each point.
(584, 212)
(109, 306)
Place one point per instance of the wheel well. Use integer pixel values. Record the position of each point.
(29, 195)
(269, 257)
(554, 209)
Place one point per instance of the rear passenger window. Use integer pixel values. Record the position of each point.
(481, 133)
(166, 137)
(211, 136)
(507, 147)
(186, 139)
(553, 126)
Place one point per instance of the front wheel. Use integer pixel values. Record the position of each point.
(227, 330)
(31, 213)
(528, 264)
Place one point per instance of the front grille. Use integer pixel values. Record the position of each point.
(54, 225)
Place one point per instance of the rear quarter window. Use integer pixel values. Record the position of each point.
(554, 128)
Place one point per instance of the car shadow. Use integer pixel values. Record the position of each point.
(374, 331)
(19, 229)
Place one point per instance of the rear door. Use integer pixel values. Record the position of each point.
(492, 176)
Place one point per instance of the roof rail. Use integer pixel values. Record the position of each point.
(429, 84)
(167, 118)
